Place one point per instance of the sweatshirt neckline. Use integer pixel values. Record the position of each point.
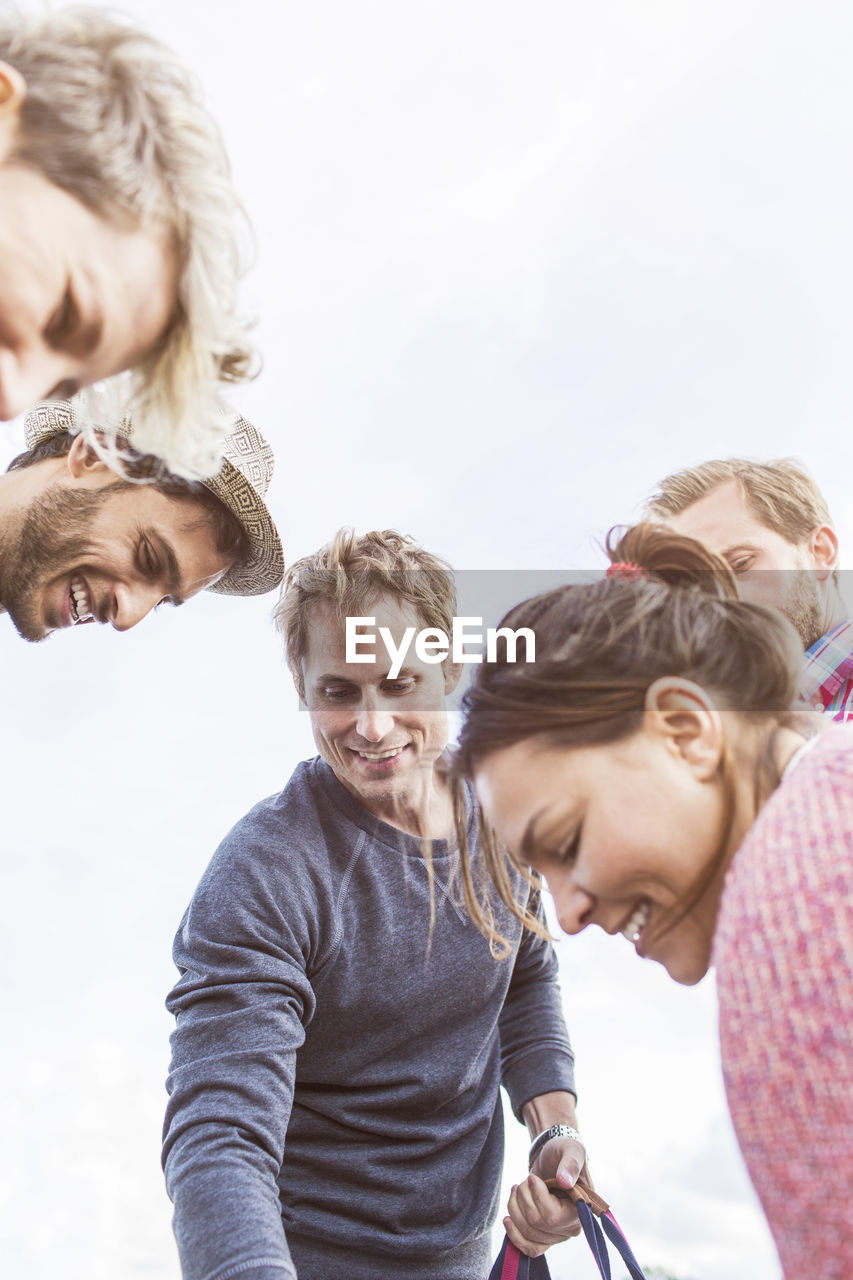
(385, 832)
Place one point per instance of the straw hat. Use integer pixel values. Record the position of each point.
(240, 485)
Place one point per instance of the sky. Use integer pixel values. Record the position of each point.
(514, 264)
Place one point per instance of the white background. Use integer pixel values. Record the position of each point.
(515, 263)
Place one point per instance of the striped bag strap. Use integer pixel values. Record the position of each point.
(512, 1265)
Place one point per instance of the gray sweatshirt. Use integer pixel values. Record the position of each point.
(334, 1105)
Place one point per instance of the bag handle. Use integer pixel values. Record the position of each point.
(511, 1264)
(580, 1195)
(595, 1230)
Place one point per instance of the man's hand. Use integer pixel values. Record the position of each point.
(537, 1218)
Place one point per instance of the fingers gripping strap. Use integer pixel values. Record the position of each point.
(512, 1265)
(578, 1192)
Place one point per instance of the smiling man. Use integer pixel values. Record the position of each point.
(79, 543)
(342, 1028)
(771, 523)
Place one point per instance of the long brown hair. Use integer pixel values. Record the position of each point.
(668, 607)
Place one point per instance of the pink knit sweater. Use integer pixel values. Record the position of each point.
(784, 955)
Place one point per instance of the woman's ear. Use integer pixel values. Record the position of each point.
(683, 716)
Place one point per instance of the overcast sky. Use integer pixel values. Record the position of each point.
(515, 263)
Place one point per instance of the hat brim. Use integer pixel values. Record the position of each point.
(263, 569)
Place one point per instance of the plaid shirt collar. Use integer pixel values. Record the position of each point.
(828, 666)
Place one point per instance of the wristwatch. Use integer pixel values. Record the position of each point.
(555, 1131)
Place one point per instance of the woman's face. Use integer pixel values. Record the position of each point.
(80, 298)
(621, 832)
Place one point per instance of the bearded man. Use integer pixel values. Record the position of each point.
(81, 542)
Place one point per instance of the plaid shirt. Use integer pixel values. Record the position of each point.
(827, 679)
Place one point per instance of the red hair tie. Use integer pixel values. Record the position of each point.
(628, 570)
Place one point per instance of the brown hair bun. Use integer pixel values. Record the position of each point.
(672, 558)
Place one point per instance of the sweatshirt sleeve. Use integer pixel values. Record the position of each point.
(536, 1054)
(241, 1003)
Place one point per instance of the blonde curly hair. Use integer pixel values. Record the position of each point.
(113, 117)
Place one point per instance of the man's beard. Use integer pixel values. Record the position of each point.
(53, 535)
(804, 607)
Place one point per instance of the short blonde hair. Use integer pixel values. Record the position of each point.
(780, 494)
(350, 573)
(114, 118)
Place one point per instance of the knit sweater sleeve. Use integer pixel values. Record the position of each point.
(536, 1054)
(784, 955)
(242, 1002)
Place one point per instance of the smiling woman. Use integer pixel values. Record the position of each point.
(119, 232)
(650, 768)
